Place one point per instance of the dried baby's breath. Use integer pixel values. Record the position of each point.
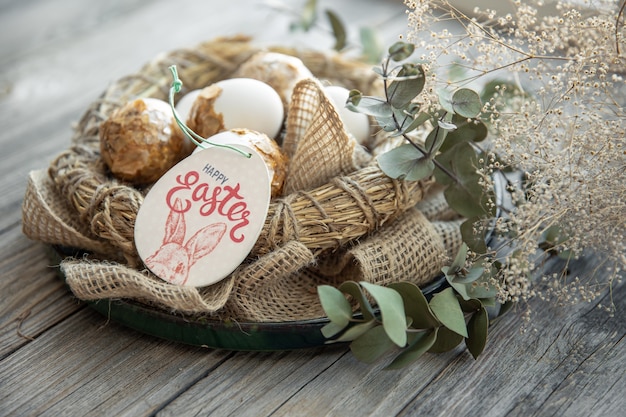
(556, 112)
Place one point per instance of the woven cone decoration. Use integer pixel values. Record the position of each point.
(317, 143)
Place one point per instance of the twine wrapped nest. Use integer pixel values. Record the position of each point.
(347, 222)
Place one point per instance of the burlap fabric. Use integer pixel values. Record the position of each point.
(340, 219)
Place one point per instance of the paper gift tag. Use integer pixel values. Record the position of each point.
(202, 217)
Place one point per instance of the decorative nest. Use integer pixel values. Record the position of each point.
(351, 223)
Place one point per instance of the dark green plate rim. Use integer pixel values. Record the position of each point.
(229, 335)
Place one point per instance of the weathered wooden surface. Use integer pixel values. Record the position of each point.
(59, 357)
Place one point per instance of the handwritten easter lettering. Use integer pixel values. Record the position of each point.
(227, 201)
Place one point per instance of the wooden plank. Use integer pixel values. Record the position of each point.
(257, 383)
(33, 297)
(86, 366)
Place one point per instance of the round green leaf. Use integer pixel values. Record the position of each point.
(354, 289)
(475, 241)
(446, 341)
(420, 344)
(415, 305)
(371, 345)
(372, 106)
(335, 305)
(406, 162)
(331, 329)
(400, 51)
(472, 130)
(355, 331)
(391, 307)
(409, 83)
(466, 102)
(478, 329)
(446, 308)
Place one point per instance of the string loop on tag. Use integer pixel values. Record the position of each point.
(198, 140)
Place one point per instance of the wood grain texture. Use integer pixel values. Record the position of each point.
(58, 357)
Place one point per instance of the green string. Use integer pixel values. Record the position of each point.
(198, 140)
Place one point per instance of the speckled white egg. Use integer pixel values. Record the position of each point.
(357, 124)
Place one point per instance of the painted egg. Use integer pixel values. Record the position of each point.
(266, 147)
(235, 103)
(139, 141)
(282, 72)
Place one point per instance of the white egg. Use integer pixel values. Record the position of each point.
(357, 124)
(250, 104)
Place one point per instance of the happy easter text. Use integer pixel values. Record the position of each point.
(222, 199)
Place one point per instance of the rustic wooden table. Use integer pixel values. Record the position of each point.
(59, 357)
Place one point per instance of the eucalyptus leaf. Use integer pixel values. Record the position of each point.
(354, 289)
(481, 289)
(470, 306)
(331, 329)
(466, 195)
(435, 139)
(469, 200)
(420, 344)
(470, 276)
(392, 313)
(415, 305)
(396, 121)
(446, 308)
(449, 126)
(372, 106)
(459, 259)
(466, 102)
(339, 30)
(356, 331)
(400, 51)
(475, 241)
(308, 16)
(372, 46)
(446, 341)
(335, 305)
(406, 162)
(371, 345)
(409, 83)
(445, 100)
(462, 289)
(477, 326)
(416, 122)
(467, 130)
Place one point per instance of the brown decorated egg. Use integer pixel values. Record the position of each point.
(138, 141)
(282, 72)
(271, 153)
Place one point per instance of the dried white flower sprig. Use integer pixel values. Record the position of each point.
(556, 90)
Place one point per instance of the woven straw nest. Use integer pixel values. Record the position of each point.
(356, 224)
